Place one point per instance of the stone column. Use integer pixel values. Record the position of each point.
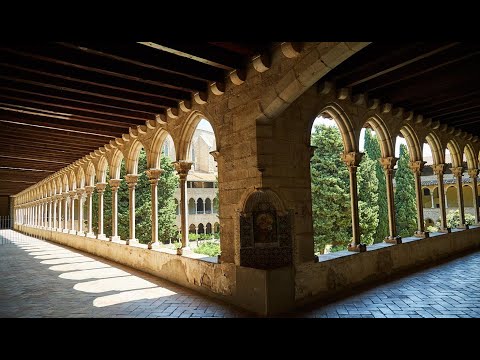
(80, 196)
(388, 163)
(54, 214)
(352, 160)
(114, 185)
(89, 191)
(417, 167)
(432, 198)
(182, 167)
(65, 212)
(42, 208)
(473, 173)
(100, 190)
(73, 196)
(153, 175)
(446, 200)
(50, 205)
(132, 182)
(59, 226)
(457, 173)
(438, 169)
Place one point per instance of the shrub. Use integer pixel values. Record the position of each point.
(209, 248)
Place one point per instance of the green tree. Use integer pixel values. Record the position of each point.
(167, 185)
(405, 201)
(367, 186)
(372, 149)
(330, 190)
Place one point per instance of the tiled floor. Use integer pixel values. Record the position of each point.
(41, 279)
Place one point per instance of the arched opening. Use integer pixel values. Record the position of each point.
(432, 155)
(201, 229)
(208, 206)
(143, 201)
(192, 229)
(427, 198)
(451, 198)
(208, 229)
(215, 205)
(177, 208)
(200, 206)
(468, 199)
(330, 185)
(192, 207)
(216, 230)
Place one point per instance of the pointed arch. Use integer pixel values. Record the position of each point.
(436, 148)
(186, 134)
(116, 164)
(472, 162)
(80, 178)
(59, 185)
(72, 180)
(382, 133)
(90, 175)
(414, 148)
(65, 183)
(102, 169)
(154, 156)
(455, 153)
(133, 155)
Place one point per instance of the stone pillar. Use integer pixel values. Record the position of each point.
(54, 215)
(438, 169)
(42, 208)
(114, 185)
(417, 167)
(388, 163)
(182, 167)
(59, 226)
(80, 196)
(446, 200)
(457, 173)
(473, 173)
(132, 182)
(352, 160)
(100, 190)
(153, 175)
(89, 191)
(65, 212)
(50, 205)
(73, 196)
(432, 198)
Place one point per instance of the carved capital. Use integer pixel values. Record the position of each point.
(80, 193)
(182, 167)
(388, 163)
(153, 175)
(457, 171)
(101, 187)
(73, 194)
(215, 154)
(416, 166)
(131, 180)
(115, 184)
(89, 189)
(352, 159)
(438, 169)
(473, 173)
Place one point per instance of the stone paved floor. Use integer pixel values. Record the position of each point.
(41, 279)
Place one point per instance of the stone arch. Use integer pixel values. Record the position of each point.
(154, 156)
(208, 228)
(382, 133)
(80, 178)
(72, 180)
(200, 206)
(90, 175)
(186, 135)
(208, 206)
(472, 162)
(102, 169)
(216, 227)
(343, 123)
(65, 183)
(192, 229)
(467, 195)
(413, 144)
(455, 153)
(115, 164)
(451, 196)
(200, 229)
(192, 206)
(133, 155)
(59, 185)
(436, 148)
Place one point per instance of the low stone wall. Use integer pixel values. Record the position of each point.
(344, 270)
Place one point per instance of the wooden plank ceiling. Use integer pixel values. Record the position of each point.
(61, 101)
(439, 80)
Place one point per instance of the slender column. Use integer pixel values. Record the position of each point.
(473, 173)
(457, 173)
(132, 182)
(37, 214)
(50, 205)
(114, 185)
(417, 167)
(438, 169)
(73, 196)
(89, 191)
(352, 160)
(153, 175)
(432, 198)
(80, 195)
(54, 214)
(45, 213)
(59, 226)
(100, 190)
(65, 212)
(388, 163)
(42, 220)
(446, 200)
(182, 168)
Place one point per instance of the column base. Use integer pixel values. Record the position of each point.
(150, 245)
(463, 226)
(115, 238)
(73, 232)
(446, 230)
(66, 231)
(357, 248)
(131, 241)
(101, 237)
(422, 234)
(80, 233)
(90, 235)
(393, 239)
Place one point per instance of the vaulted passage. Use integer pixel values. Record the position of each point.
(268, 175)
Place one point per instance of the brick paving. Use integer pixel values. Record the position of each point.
(42, 279)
